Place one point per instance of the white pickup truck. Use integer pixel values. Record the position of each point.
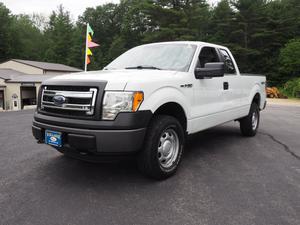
(146, 102)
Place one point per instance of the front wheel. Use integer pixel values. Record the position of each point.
(163, 148)
(250, 123)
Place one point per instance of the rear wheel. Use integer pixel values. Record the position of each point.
(250, 123)
(163, 148)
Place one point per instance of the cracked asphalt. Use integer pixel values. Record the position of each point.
(224, 179)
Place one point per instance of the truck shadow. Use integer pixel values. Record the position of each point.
(212, 141)
(200, 145)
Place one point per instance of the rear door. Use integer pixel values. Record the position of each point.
(235, 91)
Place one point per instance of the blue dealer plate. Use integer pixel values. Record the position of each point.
(53, 138)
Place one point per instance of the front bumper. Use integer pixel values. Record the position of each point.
(124, 135)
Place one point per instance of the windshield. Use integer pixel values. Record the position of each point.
(176, 57)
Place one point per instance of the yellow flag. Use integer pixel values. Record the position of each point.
(89, 38)
(89, 52)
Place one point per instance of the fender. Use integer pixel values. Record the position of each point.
(255, 90)
(165, 95)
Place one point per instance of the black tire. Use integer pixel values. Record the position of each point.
(247, 125)
(149, 159)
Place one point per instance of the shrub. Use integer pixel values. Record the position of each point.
(292, 88)
(289, 59)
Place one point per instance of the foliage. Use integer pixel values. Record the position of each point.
(289, 59)
(27, 38)
(59, 37)
(5, 42)
(292, 88)
(262, 34)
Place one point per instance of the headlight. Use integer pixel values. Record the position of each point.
(117, 101)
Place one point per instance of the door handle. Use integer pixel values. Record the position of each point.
(225, 85)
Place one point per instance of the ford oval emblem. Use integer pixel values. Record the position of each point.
(53, 139)
(59, 99)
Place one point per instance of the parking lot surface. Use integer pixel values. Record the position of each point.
(224, 178)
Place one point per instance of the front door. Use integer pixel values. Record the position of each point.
(209, 94)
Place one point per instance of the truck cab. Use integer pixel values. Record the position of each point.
(145, 103)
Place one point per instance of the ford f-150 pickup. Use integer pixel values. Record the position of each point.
(146, 102)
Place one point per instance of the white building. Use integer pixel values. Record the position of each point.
(20, 81)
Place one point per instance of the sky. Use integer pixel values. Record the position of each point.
(45, 7)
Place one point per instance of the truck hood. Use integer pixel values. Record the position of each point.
(117, 79)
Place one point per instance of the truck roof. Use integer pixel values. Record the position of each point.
(198, 43)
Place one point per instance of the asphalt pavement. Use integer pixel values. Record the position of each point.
(224, 179)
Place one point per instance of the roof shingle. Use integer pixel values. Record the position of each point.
(7, 74)
(48, 66)
(30, 78)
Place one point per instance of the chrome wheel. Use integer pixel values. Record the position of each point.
(168, 148)
(254, 120)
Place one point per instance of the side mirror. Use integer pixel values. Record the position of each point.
(210, 70)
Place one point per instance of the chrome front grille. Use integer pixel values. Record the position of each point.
(69, 100)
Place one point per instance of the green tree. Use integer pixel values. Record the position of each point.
(77, 50)
(106, 23)
(5, 34)
(27, 38)
(247, 22)
(221, 23)
(59, 36)
(176, 20)
(289, 60)
(135, 22)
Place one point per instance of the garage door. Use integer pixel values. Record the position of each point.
(1, 99)
(28, 96)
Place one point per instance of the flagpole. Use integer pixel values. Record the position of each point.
(86, 47)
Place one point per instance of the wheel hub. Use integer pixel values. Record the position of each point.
(168, 148)
(254, 120)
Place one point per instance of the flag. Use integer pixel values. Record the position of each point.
(88, 61)
(89, 38)
(89, 52)
(89, 44)
(92, 44)
(90, 30)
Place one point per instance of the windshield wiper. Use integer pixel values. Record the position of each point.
(143, 67)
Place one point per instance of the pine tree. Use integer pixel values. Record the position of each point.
(59, 35)
(5, 42)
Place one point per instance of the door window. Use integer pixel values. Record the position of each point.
(229, 66)
(207, 55)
